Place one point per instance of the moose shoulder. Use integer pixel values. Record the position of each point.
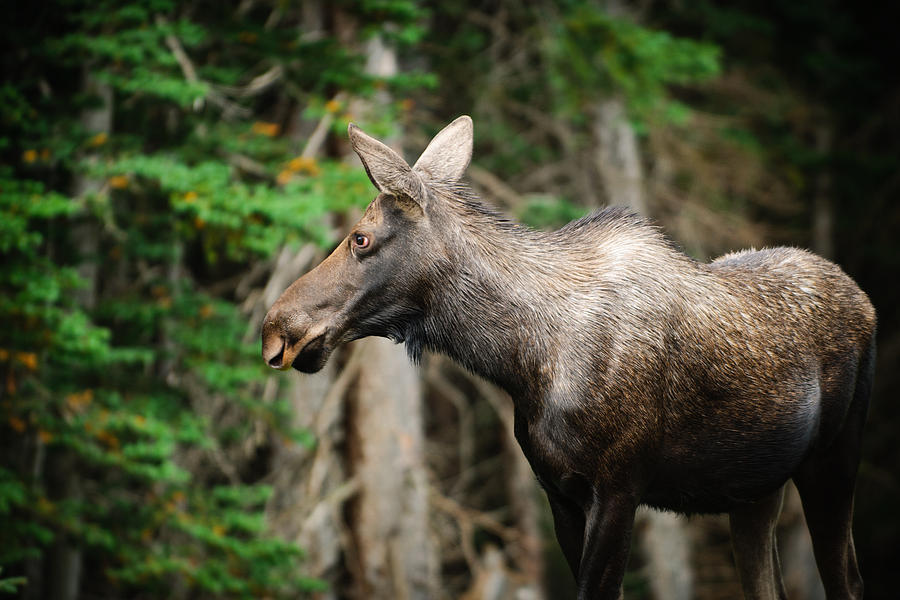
(639, 375)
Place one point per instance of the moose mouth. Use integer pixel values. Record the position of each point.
(312, 357)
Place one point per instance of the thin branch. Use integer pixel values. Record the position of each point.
(320, 133)
(228, 107)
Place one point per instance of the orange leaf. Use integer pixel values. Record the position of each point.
(303, 163)
(29, 359)
(79, 401)
(266, 129)
(98, 140)
(118, 182)
(29, 156)
(17, 424)
(284, 177)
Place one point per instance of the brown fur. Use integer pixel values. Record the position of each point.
(638, 374)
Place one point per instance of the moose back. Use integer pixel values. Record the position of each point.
(639, 375)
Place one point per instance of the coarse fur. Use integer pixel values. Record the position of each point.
(639, 375)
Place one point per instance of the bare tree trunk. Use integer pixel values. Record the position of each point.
(618, 156)
(801, 577)
(385, 441)
(63, 567)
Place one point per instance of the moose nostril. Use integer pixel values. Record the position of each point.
(276, 361)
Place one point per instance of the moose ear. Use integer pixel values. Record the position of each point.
(388, 172)
(447, 156)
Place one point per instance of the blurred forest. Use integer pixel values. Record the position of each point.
(168, 167)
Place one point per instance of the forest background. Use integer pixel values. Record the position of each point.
(167, 168)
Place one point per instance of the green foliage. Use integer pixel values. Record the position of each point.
(112, 347)
(591, 52)
(10, 585)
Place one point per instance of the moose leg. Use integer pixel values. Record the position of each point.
(755, 551)
(607, 540)
(827, 497)
(825, 482)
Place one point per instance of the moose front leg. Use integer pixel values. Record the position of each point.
(607, 540)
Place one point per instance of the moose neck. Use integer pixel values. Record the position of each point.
(492, 308)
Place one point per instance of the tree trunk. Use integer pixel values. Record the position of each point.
(618, 156)
(63, 566)
(395, 555)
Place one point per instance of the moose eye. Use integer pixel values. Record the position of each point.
(361, 241)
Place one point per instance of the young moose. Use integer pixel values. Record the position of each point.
(639, 375)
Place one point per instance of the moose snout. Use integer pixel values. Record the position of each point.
(281, 338)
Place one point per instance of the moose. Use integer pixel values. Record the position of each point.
(639, 375)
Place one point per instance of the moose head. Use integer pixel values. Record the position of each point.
(371, 285)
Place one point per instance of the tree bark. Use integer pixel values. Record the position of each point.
(618, 156)
(63, 565)
(385, 442)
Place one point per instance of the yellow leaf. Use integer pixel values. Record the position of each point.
(17, 424)
(266, 129)
(119, 182)
(219, 530)
(29, 156)
(79, 401)
(304, 164)
(284, 177)
(190, 196)
(98, 140)
(29, 359)
(111, 441)
(332, 106)
(45, 436)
